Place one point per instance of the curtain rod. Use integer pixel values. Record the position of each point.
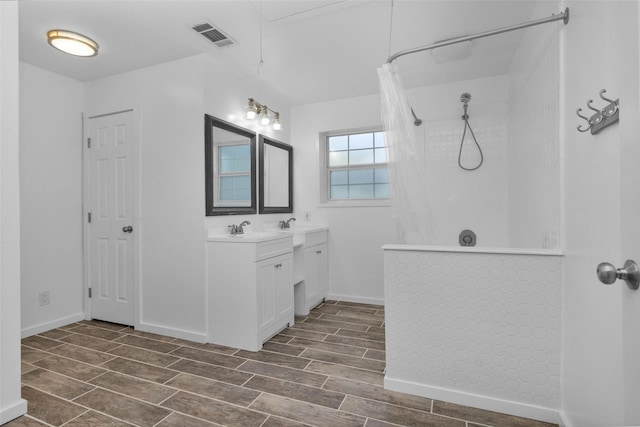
(561, 16)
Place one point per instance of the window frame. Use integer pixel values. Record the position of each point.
(325, 169)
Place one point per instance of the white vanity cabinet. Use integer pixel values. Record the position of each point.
(250, 288)
(312, 269)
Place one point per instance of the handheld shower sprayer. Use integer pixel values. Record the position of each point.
(465, 98)
(416, 120)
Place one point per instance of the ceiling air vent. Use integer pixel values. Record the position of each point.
(214, 35)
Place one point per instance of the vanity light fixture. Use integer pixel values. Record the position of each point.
(261, 111)
(72, 43)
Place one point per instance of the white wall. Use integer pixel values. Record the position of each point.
(356, 234)
(172, 99)
(11, 405)
(534, 136)
(169, 98)
(50, 198)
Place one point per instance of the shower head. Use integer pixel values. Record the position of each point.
(465, 98)
(416, 120)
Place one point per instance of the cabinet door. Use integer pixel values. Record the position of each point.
(283, 279)
(311, 274)
(322, 269)
(274, 293)
(317, 276)
(265, 293)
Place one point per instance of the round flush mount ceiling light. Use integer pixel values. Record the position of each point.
(72, 43)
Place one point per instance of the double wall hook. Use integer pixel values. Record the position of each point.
(602, 118)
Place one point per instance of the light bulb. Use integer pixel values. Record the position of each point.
(276, 122)
(252, 111)
(264, 116)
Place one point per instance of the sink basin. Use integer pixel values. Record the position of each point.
(299, 232)
(246, 237)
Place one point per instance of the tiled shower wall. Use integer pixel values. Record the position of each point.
(459, 199)
(514, 199)
(480, 329)
(534, 137)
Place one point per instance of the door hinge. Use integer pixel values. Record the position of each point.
(88, 142)
(89, 292)
(89, 217)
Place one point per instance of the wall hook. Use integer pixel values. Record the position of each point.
(603, 117)
(585, 118)
(596, 118)
(610, 109)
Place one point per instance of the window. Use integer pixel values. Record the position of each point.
(356, 166)
(234, 166)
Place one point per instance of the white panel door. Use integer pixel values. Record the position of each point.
(111, 198)
(630, 212)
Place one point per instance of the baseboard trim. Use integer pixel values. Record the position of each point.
(47, 326)
(564, 421)
(356, 299)
(172, 332)
(474, 400)
(14, 411)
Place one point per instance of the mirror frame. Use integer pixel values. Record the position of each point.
(210, 210)
(275, 209)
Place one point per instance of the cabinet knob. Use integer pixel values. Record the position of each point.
(277, 266)
(318, 252)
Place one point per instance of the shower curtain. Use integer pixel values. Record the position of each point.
(410, 200)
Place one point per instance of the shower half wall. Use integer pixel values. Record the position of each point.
(481, 326)
(477, 327)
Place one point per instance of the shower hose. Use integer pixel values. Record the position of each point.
(465, 117)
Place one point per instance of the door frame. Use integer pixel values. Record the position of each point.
(136, 163)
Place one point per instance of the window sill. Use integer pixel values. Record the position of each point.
(356, 203)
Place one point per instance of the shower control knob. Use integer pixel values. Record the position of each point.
(630, 273)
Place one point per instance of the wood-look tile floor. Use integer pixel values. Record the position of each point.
(326, 370)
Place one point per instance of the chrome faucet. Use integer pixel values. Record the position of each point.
(286, 224)
(237, 229)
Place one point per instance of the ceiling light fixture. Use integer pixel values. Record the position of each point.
(257, 110)
(72, 43)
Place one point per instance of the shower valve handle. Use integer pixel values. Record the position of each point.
(630, 273)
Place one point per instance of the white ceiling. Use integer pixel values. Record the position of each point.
(312, 50)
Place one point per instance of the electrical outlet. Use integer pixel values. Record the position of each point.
(44, 297)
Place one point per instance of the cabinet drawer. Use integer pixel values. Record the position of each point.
(316, 238)
(273, 248)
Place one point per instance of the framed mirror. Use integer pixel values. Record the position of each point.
(230, 168)
(276, 176)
